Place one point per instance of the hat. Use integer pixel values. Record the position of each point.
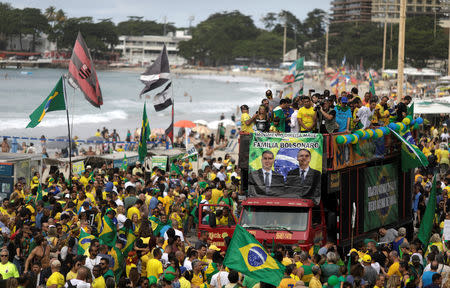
(368, 240)
(86, 203)
(351, 251)
(88, 167)
(366, 258)
(67, 196)
(109, 210)
(344, 99)
(183, 269)
(333, 281)
(152, 280)
(138, 163)
(214, 247)
(445, 124)
(109, 187)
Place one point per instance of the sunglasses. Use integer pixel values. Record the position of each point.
(3, 255)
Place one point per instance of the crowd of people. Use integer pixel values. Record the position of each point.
(133, 228)
(323, 113)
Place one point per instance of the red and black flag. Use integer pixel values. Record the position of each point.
(169, 130)
(82, 72)
(157, 74)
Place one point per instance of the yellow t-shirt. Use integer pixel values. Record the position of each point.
(133, 210)
(71, 275)
(144, 260)
(8, 270)
(184, 283)
(244, 127)
(167, 201)
(56, 279)
(307, 116)
(154, 268)
(197, 280)
(287, 283)
(99, 282)
(215, 195)
(83, 180)
(394, 269)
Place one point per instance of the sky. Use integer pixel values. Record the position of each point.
(177, 11)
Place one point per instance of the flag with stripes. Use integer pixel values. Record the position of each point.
(300, 70)
(156, 74)
(82, 72)
(163, 99)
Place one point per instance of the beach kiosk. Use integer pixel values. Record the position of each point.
(14, 166)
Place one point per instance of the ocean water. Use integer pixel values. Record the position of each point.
(211, 95)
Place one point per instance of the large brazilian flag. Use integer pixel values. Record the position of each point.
(246, 255)
(84, 241)
(108, 233)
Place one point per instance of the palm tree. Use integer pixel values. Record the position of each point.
(60, 16)
(50, 13)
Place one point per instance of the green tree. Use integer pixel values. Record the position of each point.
(135, 26)
(34, 23)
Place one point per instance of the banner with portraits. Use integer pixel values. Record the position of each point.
(285, 165)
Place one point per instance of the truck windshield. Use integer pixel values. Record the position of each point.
(276, 218)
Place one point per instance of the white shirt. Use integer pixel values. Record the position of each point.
(78, 283)
(222, 176)
(177, 233)
(119, 202)
(365, 116)
(187, 264)
(121, 220)
(223, 279)
(300, 172)
(90, 263)
(445, 136)
(270, 176)
(376, 266)
(294, 122)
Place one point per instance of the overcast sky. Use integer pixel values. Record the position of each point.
(177, 11)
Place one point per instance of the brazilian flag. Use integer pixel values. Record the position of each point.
(157, 225)
(84, 242)
(131, 238)
(246, 255)
(118, 262)
(54, 102)
(108, 233)
(145, 134)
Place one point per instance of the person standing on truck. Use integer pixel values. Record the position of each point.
(304, 181)
(265, 181)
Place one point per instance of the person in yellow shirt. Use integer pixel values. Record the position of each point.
(99, 281)
(154, 266)
(287, 281)
(216, 193)
(84, 179)
(184, 283)
(144, 260)
(56, 280)
(394, 269)
(246, 120)
(168, 200)
(198, 277)
(315, 280)
(307, 116)
(135, 209)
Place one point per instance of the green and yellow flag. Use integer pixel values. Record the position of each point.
(118, 262)
(55, 101)
(39, 193)
(84, 242)
(125, 162)
(246, 255)
(145, 134)
(108, 232)
(131, 238)
(426, 225)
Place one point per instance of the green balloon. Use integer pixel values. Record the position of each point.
(360, 133)
(340, 139)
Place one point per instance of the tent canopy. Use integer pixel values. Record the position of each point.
(429, 107)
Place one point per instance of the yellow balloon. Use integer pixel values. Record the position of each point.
(379, 132)
(370, 132)
(406, 121)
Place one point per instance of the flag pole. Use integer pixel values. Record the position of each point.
(68, 130)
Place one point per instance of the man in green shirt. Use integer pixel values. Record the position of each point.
(279, 112)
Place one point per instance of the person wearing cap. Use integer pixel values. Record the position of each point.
(184, 283)
(343, 115)
(327, 117)
(370, 274)
(246, 120)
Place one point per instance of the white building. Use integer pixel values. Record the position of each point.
(42, 45)
(145, 49)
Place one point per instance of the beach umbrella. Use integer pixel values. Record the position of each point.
(201, 130)
(224, 122)
(60, 142)
(201, 122)
(96, 139)
(184, 124)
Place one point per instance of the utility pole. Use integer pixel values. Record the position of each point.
(284, 39)
(448, 62)
(401, 49)
(326, 46)
(384, 39)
